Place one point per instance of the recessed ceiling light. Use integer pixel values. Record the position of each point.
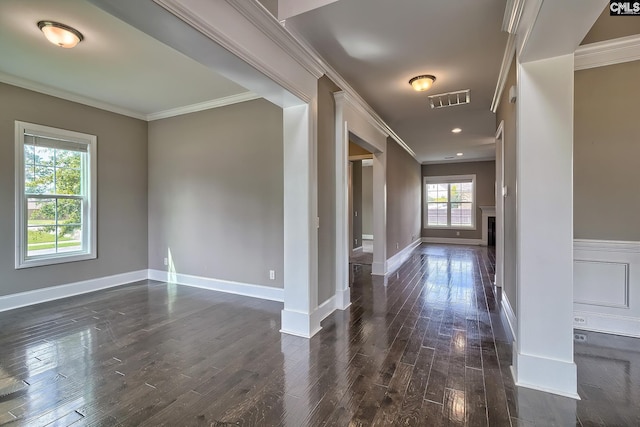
(456, 130)
(60, 34)
(422, 83)
(459, 154)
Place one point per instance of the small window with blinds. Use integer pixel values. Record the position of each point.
(450, 201)
(55, 195)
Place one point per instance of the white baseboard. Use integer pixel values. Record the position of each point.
(548, 375)
(398, 259)
(509, 314)
(37, 296)
(379, 268)
(608, 323)
(367, 237)
(324, 310)
(246, 289)
(452, 241)
(357, 251)
(300, 324)
(343, 298)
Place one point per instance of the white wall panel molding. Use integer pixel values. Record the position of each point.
(23, 299)
(607, 286)
(608, 52)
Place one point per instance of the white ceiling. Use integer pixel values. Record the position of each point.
(116, 64)
(378, 45)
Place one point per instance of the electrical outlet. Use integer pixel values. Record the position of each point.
(580, 337)
(272, 275)
(580, 320)
(166, 261)
(457, 233)
(397, 245)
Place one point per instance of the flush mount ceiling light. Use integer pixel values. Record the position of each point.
(60, 34)
(456, 130)
(459, 154)
(422, 83)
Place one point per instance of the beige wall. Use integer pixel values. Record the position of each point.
(403, 198)
(122, 189)
(326, 189)
(485, 195)
(507, 112)
(607, 153)
(367, 200)
(609, 27)
(216, 193)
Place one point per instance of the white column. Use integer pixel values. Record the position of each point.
(300, 222)
(543, 356)
(343, 292)
(379, 267)
(500, 205)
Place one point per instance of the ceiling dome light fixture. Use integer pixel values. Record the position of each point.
(60, 34)
(459, 154)
(456, 130)
(422, 83)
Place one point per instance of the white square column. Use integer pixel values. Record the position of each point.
(300, 222)
(379, 266)
(543, 353)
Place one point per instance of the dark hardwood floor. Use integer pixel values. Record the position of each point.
(426, 349)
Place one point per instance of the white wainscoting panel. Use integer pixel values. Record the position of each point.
(606, 286)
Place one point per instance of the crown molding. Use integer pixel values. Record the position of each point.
(259, 16)
(201, 106)
(512, 15)
(350, 94)
(608, 52)
(69, 96)
(177, 9)
(507, 58)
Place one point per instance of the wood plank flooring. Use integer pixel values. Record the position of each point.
(426, 349)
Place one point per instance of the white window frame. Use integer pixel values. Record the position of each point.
(449, 179)
(89, 249)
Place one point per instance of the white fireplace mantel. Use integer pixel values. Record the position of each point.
(487, 211)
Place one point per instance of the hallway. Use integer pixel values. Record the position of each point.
(428, 349)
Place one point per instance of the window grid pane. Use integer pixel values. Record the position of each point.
(450, 204)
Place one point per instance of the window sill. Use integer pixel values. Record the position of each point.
(450, 228)
(52, 260)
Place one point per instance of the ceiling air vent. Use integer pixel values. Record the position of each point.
(450, 99)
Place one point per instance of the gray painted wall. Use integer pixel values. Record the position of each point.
(216, 193)
(326, 189)
(403, 198)
(356, 206)
(122, 189)
(606, 151)
(367, 200)
(507, 112)
(485, 193)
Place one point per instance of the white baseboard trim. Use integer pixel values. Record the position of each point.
(324, 310)
(245, 289)
(343, 298)
(398, 259)
(608, 323)
(367, 237)
(300, 324)
(357, 251)
(379, 268)
(544, 374)
(509, 315)
(37, 296)
(452, 241)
